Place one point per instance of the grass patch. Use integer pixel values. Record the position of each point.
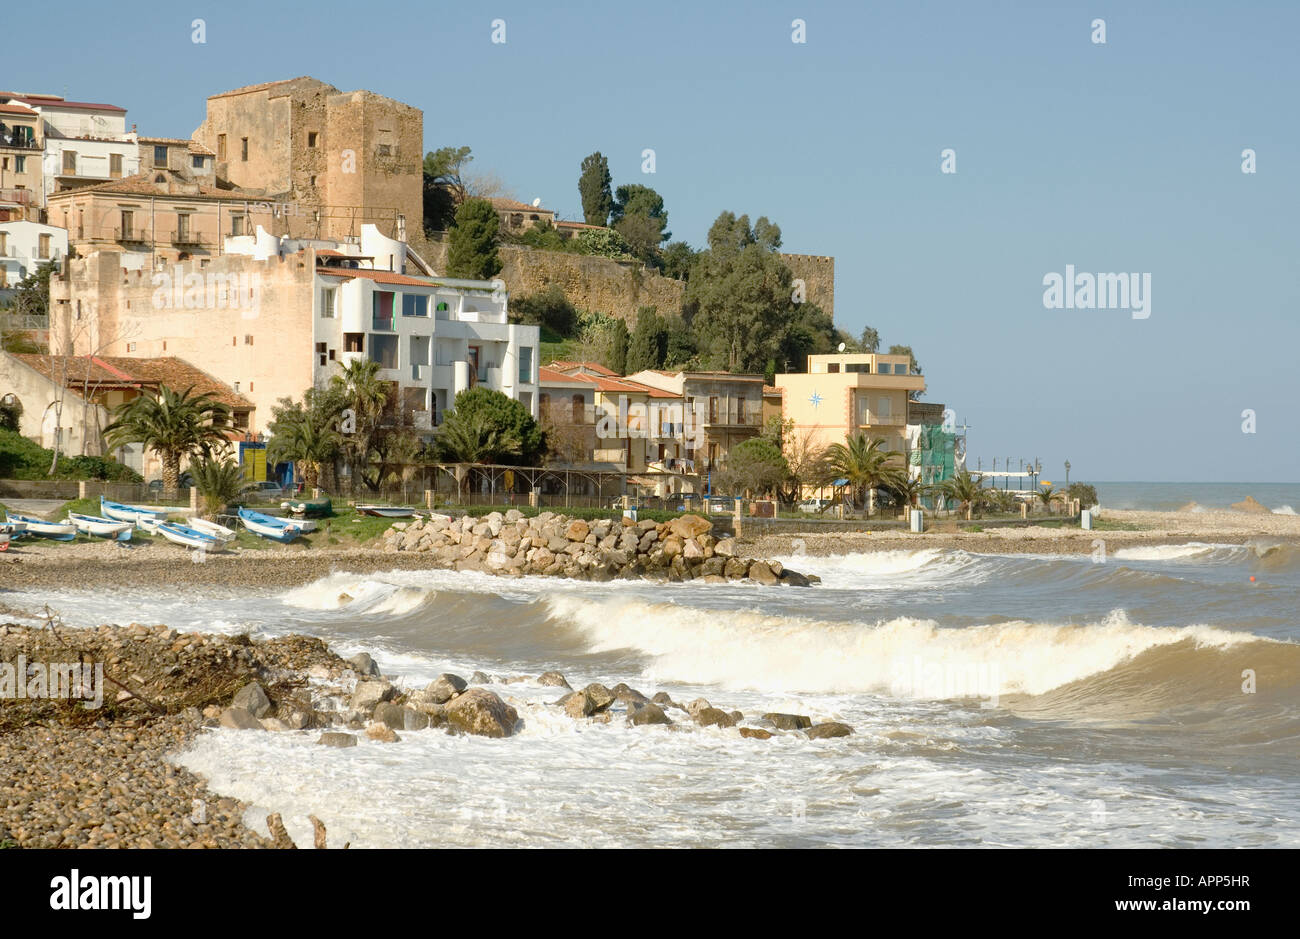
(1102, 524)
(972, 528)
(1050, 524)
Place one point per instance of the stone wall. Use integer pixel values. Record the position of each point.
(818, 274)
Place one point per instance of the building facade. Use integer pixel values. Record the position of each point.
(728, 407)
(21, 147)
(25, 246)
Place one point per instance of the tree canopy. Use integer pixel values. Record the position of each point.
(486, 426)
(473, 251)
(594, 188)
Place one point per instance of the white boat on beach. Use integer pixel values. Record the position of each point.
(188, 537)
(219, 532)
(129, 513)
(103, 527)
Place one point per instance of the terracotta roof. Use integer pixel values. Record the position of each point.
(545, 375)
(126, 371)
(380, 277)
(143, 184)
(192, 145)
(16, 109)
(51, 102)
(514, 205)
(563, 224)
(771, 390)
(564, 366)
(652, 390)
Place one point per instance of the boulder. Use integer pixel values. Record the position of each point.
(794, 579)
(641, 714)
(601, 697)
(689, 526)
(552, 680)
(755, 733)
(696, 705)
(735, 569)
(334, 739)
(239, 719)
(364, 665)
(445, 687)
(1250, 504)
(479, 711)
(663, 699)
(382, 733)
(761, 573)
(628, 695)
(788, 721)
(577, 704)
(369, 693)
(480, 678)
(726, 548)
(828, 729)
(577, 530)
(252, 699)
(274, 723)
(713, 717)
(394, 715)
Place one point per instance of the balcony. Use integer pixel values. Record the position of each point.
(186, 238)
(130, 235)
(21, 143)
(882, 420)
(381, 324)
(16, 196)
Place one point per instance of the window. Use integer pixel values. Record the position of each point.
(182, 227)
(240, 420)
(43, 247)
(384, 150)
(69, 162)
(383, 349)
(859, 367)
(128, 222)
(883, 407)
(236, 225)
(20, 164)
(740, 410)
(578, 408)
(833, 367)
(160, 156)
(243, 149)
(115, 165)
(311, 138)
(353, 342)
(327, 298)
(196, 162)
(130, 347)
(248, 340)
(472, 356)
(4, 243)
(713, 409)
(526, 365)
(221, 147)
(382, 309)
(415, 304)
(313, 182)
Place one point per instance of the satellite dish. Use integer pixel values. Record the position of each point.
(537, 202)
(841, 347)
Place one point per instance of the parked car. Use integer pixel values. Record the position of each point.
(814, 506)
(268, 489)
(156, 485)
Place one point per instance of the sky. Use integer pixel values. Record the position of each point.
(1117, 157)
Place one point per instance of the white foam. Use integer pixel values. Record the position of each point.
(900, 657)
(1284, 510)
(1163, 552)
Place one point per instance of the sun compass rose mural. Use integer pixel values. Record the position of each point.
(815, 400)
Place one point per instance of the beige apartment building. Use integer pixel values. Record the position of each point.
(21, 148)
(728, 407)
(844, 394)
(339, 159)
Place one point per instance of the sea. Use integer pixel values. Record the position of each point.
(1281, 498)
(1147, 698)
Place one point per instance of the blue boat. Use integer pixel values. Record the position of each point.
(59, 531)
(103, 527)
(268, 526)
(184, 535)
(128, 513)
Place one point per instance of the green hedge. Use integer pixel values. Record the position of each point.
(21, 458)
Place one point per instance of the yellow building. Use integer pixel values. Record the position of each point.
(844, 394)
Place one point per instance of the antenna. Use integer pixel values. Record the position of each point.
(841, 347)
(537, 202)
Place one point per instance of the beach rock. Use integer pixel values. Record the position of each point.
(628, 695)
(735, 569)
(552, 680)
(577, 705)
(761, 573)
(252, 699)
(794, 579)
(479, 711)
(663, 699)
(696, 705)
(370, 693)
(382, 733)
(481, 678)
(755, 733)
(828, 729)
(394, 715)
(577, 530)
(788, 721)
(1249, 504)
(641, 714)
(713, 717)
(445, 687)
(274, 724)
(239, 719)
(726, 548)
(689, 526)
(335, 739)
(601, 697)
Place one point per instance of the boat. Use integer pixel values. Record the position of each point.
(104, 527)
(387, 511)
(219, 532)
(268, 526)
(308, 508)
(128, 513)
(184, 535)
(59, 531)
(148, 523)
(13, 528)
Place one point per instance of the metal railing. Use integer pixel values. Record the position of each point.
(187, 238)
(17, 196)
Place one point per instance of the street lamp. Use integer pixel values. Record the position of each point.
(1067, 485)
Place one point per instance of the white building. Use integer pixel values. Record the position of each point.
(25, 246)
(84, 141)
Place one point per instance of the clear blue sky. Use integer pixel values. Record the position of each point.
(1115, 157)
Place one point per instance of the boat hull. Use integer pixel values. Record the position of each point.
(219, 532)
(387, 511)
(102, 527)
(58, 531)
(187, 537)
(269, 527)
(128, 513)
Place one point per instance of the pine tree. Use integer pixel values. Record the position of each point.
(594, 187)
(473, 251)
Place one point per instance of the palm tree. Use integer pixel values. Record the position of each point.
(863, 463)
(907, 489)
(965, 489)
(307, 439)
(1047, 494)
(175, 424)
(219, 482)
(361, 391)
(474, 439)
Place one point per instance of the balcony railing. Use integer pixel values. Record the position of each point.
(381, 324)
(133, 235)
(882, 420)
(16, 196)
(187, 238)
(21, 143)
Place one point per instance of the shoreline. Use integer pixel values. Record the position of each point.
(36, 564)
